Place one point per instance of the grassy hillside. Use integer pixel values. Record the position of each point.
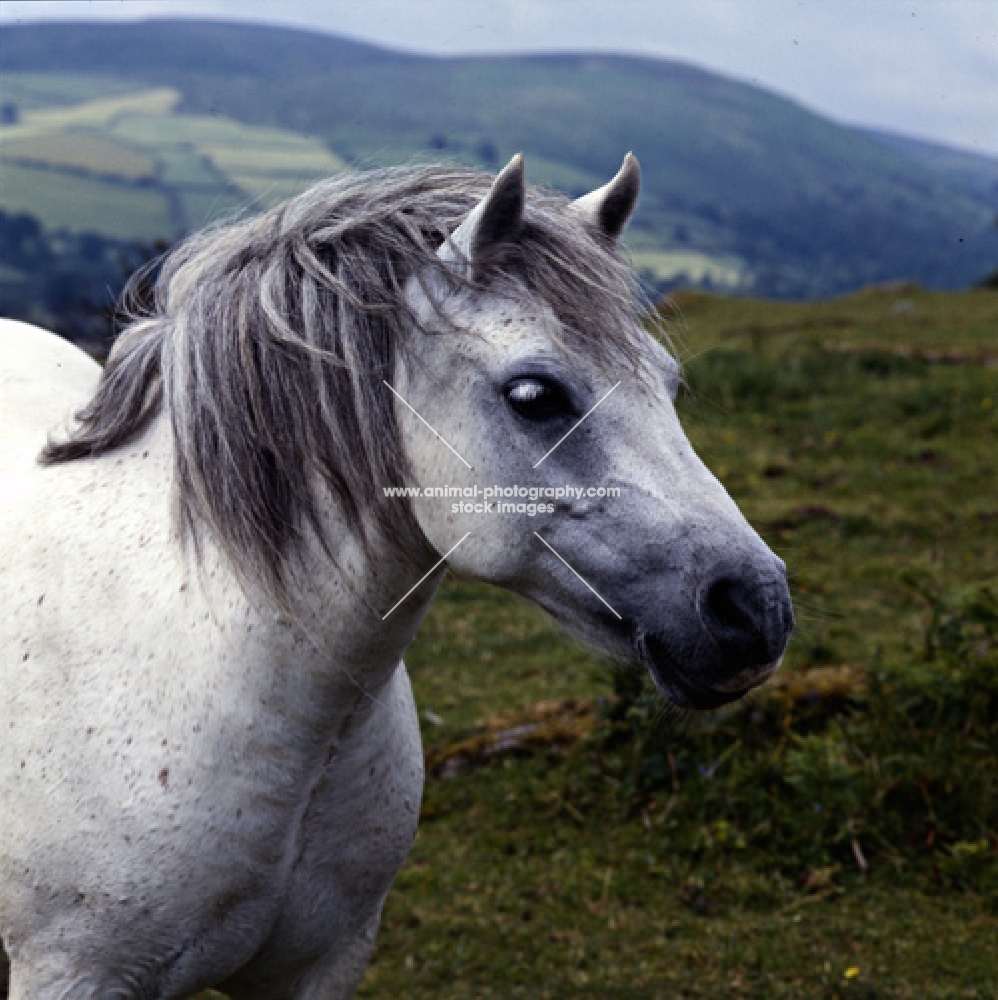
(742, 187)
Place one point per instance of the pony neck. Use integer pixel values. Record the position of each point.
(352, 605)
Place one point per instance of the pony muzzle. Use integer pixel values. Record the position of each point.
(736, 641)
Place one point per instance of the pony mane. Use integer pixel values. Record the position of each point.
(267, 341)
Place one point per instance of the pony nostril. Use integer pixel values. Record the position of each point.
(728, 611)
(749, 620)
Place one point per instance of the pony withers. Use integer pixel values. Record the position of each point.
(211, 765)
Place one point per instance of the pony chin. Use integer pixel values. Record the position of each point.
(692, 681)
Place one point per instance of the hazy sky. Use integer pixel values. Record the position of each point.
(925, 67)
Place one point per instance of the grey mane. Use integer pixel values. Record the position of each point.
(268, 340)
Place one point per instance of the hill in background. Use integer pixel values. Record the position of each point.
(150, 129)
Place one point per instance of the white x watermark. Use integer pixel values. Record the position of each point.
(415, 491)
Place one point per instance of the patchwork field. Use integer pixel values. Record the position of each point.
(691, 266)
(86, 203)
(81, 151)
(804, 206)
(128, 164)
(89, 154)
(131, 165)
(99, 113)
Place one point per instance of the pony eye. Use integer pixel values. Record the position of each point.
(537, 399)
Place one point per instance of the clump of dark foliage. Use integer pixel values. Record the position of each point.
(904, 770)
(989, 282)
(66, 282)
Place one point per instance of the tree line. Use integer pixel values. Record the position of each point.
(66, 282)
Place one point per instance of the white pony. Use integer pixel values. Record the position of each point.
(210, 764)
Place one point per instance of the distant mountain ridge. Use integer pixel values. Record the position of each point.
(977, 171)
(745, 188)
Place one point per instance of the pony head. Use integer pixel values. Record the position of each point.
(536, 396)
(437, 328)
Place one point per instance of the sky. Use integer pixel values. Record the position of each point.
(927, 68)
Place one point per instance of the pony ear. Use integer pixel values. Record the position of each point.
(608, 208)
(493, 223)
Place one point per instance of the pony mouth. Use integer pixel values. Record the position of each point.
(750, 677)
(675, 684)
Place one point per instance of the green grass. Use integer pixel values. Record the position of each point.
(715, 856)
(497, 651)
(506, 897)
